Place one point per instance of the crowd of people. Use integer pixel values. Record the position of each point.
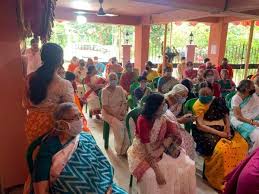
(224, 122)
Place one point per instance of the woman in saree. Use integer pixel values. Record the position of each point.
(222, 150)
(143, 90)
(93, 84)
(244, 178)
(175, 100)
(155, 159)
(69, 160)
(114, 110)
(45, 89)
(245, 112)
(127, 77)
(167, 82)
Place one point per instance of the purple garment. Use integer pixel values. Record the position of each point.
(244, 179)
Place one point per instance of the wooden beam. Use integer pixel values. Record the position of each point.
(69, 14)
(164, 47)
(249, 44)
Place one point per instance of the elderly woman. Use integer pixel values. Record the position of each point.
(93, 84)
(189, 72)
(175, 100)
(114, 110)
(155, 158)
(167, 81)
(59, 166)
(127, 77)
(245, 112)
(223, 150)
(226, 85)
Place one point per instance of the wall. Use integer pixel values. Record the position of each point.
(12, 116)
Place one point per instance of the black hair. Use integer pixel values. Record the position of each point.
(150, 63)
(189, 63)
(224, 59)
(206, 85)
(52, 58)
(152, 104)
(206, 60)
(142, 78)
(207, 72)
(70, 76)
(244, 85)
(183, 58)
(167, 69)
(188, 84)
(90, 69)
(81, 62)
(34, 40)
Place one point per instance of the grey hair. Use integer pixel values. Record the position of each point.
(112, 73)
(62, 109)
(244, 85)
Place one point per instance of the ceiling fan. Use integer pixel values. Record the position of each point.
(101, 11)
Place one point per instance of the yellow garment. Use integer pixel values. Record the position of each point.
(226, 156)
(199, 108)
(160, 69)
(152, 75)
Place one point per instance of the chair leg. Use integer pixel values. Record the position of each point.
(106, 132)
(131, 180)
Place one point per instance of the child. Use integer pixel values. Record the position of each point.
(226, 85)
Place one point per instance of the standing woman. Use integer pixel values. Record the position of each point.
(45, 89)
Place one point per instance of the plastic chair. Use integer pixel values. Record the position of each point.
(143, 101)
(188, 109)
(132, 101)
(228, 98)
(134, 115)
(155, 81)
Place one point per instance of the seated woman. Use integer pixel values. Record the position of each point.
(127, 77)
(226, 85)
(189, 72)
(188, 84)
(214, 138)
(149, 73)
(244, 179)
(167, 81)
(113, 67)
(210, 78)
(167, 65)
(175, 100)
(59, 166)
(155, 171)
(73, 65)
(114, 110)
(93, 84)
(245, 112)
(80, 71)
(142, 90)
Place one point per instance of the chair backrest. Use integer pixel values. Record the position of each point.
(188, 109)
(29, 154)
(229, 97)
(143, 101)
(155, 82)
(134, 115)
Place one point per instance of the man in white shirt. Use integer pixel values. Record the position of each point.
(33, 56)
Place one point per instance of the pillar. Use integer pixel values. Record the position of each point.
(217, 41)
(190, 52)
(141, 46)
(125, 54)
(12, 115)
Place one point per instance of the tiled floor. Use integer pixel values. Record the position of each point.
(120, 164)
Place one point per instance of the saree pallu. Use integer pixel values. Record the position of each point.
(38, 123)
(250, 110)
(81, 167)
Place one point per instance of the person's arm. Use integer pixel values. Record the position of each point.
(238, 114)
(201, 126)
(105, 104)
(41, 187)
(227, 124)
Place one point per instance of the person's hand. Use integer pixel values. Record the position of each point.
(159, 177)
(168, 141)
(256, 123)
(223, 134)
(109, 191)
(228, 131)
(158, 152)
(187, 118)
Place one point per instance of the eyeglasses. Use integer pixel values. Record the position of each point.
(76, 117)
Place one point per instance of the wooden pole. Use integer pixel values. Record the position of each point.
(171, 30)
(249, 44)
(164, 47)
